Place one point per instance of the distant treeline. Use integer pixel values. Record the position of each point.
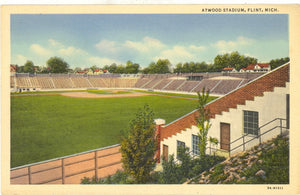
(162, 66)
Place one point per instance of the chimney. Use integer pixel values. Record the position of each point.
(158, 124)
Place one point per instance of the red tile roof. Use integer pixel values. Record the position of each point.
(267, 82)
(264, 65)
(13, 68)
(251, 66)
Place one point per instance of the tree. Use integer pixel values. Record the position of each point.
(106, 67)
(120, 69)
(278, 62)
(29, 67)
(234, 59)
(20, 69)
(146, 70)
(201, 67)
(186, 68)
(93, 68)
(203, 121)
(162, 66)
(138, 146)
(131, 68)
(220, 62)
(57, 65)
(112, 68)
(178, 68)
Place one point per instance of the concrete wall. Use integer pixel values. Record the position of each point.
(269, 106)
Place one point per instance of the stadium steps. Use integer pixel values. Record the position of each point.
(180, 85)
(162, 84)
(226, 86)
(29, 81)
(218, 83)
(15, 81)
(72, 83)
(195, 87)
(167, 84)
(51, 80)
(156, 84)
(207, 83)
(240, 83)
(188, 85)
(152, 83)
(173, 85)
(89, 82)
(146, 83)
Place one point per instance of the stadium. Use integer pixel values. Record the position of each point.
(217, 83)
(58, 160)
(79, 81)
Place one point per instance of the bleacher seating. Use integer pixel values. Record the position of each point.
(34, 82)
(162, 84)
(23, 82)
(98, 82)
(207, 83)
(141, 82)
(62, 82)
(81, 82)
(12, 82)
(151, 83)
(226, 86)
(126, 82)
(188, 86)
(174, 85)
(217, 85)
(244, 81)
(45, 82)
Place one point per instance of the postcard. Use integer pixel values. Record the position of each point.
(150, 99)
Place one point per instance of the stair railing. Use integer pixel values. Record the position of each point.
(259, 134)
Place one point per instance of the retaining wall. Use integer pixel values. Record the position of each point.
(70, 169)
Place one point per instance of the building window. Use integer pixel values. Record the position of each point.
(250, 122)
(195, 144)
(179, 144)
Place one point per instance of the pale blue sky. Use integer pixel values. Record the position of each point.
(84, 40)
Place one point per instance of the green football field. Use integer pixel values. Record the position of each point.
(50, 126)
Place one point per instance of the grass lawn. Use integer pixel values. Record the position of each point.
(45, 127)
(174, 94)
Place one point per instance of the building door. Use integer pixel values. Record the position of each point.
(165, 152)
(225, 136)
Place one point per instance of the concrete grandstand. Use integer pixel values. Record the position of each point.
(217, 83)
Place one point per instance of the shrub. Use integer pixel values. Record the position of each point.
(171, 172)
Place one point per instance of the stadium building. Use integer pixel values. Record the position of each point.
(217, 83)
(252, 107)
(244, 117)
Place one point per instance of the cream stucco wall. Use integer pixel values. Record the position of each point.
(269, 106)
